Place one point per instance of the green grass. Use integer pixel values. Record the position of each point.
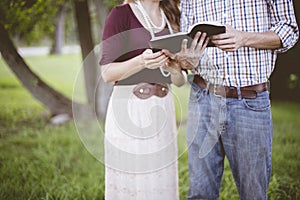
(42, 161)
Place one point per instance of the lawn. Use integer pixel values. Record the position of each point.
(42, 161)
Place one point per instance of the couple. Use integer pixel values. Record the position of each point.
(140, 138)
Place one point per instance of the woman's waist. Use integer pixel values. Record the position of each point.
(141, 90)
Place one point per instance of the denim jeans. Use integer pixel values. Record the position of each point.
(240, 129)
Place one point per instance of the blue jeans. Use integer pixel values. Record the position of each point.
(240, 129)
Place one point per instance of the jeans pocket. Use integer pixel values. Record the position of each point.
(260, 103)
(196, 92)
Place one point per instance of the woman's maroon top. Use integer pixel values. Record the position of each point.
(124, 37)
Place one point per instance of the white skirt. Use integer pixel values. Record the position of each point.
(140, 147)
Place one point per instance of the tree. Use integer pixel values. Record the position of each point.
(30, 20)
(53, 100)
(98, 92)
(103, 89)
(87, 45)
(59, 30)
(22, 18)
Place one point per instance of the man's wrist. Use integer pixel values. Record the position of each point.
(247, 39)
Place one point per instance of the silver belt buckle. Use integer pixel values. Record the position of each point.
(215, 92)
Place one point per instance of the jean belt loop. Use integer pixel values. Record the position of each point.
(239, 92)
(206, 90)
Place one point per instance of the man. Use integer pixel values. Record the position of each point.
(243, 60)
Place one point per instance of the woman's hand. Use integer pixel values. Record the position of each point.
(188, 58)
(152, 60)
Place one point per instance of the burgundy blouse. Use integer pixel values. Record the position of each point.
(124, 37)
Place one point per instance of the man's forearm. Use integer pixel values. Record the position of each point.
(234, 39)
(266, 40)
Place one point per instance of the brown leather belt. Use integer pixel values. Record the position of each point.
(146, 90)
(249, 92)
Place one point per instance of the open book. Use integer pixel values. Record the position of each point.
(172, 42)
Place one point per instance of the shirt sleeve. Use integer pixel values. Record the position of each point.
(186, 17)
(283, 23)
(113, 39)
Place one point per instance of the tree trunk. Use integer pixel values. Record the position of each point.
(103, 89)
(53, 100)
(87, 45)
(59, 38)
(102, 11)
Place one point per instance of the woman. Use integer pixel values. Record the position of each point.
(140, 136)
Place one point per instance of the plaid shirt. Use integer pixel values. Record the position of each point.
(246, 66)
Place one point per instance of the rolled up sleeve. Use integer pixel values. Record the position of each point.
(283, 23)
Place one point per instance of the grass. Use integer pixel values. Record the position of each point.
(42, 161)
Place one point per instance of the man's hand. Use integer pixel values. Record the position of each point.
(172, 66)
(231, 41)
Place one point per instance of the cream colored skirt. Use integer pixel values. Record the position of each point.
(140, 147)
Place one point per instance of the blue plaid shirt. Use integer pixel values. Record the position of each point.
(246, 66)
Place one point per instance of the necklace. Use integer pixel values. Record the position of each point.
(147, 17)
(151, 25)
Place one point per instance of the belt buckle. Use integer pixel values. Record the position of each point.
(143, 91)
(215, 91)
(146, 90)
(162, 90)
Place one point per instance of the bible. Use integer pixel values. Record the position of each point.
(172, 42)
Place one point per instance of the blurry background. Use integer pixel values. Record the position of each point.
(42, 45)
(285, 81)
